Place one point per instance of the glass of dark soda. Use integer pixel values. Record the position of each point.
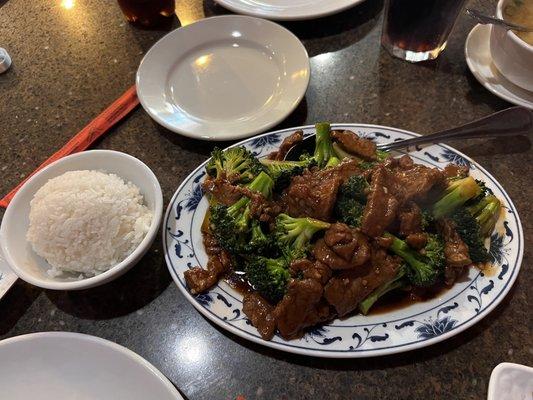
(148, 13)
(417, 30)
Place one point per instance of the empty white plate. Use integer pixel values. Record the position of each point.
(479, 60)
(65, 365)
(223, 78)
(288, 10)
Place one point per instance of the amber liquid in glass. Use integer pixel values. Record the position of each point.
(417, 30)
(147, 12)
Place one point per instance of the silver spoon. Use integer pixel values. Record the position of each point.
(509, 122)
(486, 19)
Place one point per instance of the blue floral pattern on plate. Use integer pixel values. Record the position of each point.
(357, 336)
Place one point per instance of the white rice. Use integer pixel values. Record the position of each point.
(87, 222)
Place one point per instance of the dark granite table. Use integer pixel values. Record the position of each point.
(69, 64)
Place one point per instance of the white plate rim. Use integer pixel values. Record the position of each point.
(115, 347)
(227, 136)
(313, 12)
(7, 276)
(354, 354)
(480, 29)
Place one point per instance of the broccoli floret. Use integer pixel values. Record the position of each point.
(355, 188)
(351, 201)
(250, 241)
(341, 153)
(333, 162)
(484, 192)
(467, 227)
(236, 164)
(268, 276)
(283, 171)
(398, 282)
(458, 192)
(363, 164)
(381, 156)
(487, 212)
(240, 210)
(475, 223)
(234, 227)
(324, 147)
(293, 235)
(424, 267)
(428, 220)
(259, 242)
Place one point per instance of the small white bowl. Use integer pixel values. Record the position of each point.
(32, 268)
(509, 381)
(511, 55)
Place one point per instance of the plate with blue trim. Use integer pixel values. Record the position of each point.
(414, 326)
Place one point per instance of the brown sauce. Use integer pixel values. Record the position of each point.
(235, 280)
(391, 302)
(398, 300)
(489, 269)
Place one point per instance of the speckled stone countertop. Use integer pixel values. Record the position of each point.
(69, 64)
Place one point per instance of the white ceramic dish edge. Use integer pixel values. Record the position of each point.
(324, 354)
(495, 83)
(29, 189)
(106, 343)
(7, 276)
(296, 16)
(225, 136)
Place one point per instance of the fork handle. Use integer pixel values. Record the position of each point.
(509, 122)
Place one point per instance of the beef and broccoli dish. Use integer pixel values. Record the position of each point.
(330, 234)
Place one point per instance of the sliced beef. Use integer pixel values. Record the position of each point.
(308, 269)
(412, 181)
(287, 143)
(394, 184)
(222, 190)
(381, 207)
(347, 289)
(452, 171)
(219, 262)
(342, 247)
(199, 280)
(227, 194)
(344, 170)
(260, 313)
(455, 252)
(312, 195)
(417, 240)
(264, 210)
(410, 217)
(300, 308)
(384, 242)
(353, 144)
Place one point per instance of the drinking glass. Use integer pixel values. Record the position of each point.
(147, 12)
(417, 30)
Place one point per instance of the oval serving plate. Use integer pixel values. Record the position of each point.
(412, 327)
